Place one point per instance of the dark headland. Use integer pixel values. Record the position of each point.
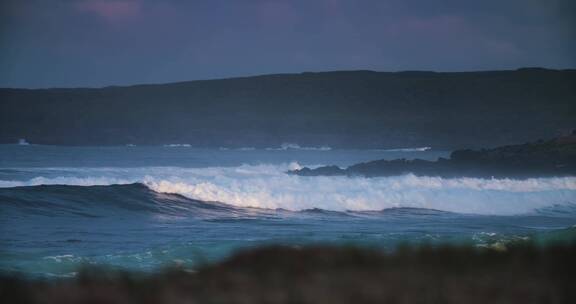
(346, 109)
(556, 157)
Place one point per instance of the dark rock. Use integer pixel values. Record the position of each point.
(555, 157)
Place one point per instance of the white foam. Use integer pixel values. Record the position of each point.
(72, 181)
(267, 186)
(283, 147)
(292, 146)
(419, 149)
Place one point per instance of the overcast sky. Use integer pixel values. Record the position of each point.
(71, 43)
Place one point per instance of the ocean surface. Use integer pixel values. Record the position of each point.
(144, 208)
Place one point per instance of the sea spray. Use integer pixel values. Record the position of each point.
(268, 186)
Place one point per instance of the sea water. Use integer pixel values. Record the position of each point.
(144, 208)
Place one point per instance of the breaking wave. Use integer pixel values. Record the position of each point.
(267, 186)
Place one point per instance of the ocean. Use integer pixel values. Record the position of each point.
(147, 207)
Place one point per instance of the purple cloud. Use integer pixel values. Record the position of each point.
(112, 10)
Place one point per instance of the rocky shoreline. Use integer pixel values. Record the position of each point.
(556, 157)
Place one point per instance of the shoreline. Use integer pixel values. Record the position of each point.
(552, 158)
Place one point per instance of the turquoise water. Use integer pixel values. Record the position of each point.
(144, 208)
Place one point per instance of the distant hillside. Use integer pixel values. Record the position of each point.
(362, 109)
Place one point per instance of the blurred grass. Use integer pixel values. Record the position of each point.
(519, 274)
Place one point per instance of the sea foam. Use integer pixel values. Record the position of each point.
(268, 186)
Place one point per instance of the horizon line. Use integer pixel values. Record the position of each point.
(527, 68)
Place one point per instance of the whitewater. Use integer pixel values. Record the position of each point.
(145, 208)
(268, 186)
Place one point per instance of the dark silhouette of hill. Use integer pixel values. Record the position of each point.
(361, 109)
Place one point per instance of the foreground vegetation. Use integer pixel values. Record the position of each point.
(522, 274)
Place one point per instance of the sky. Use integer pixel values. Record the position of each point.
(94, 43)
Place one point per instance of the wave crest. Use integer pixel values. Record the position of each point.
(359, 194)
(267, 186)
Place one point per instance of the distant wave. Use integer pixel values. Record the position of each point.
(267, 186)
(292, 146)
(237, 149)
(283, 147)
(419, 149)
(178, 145)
